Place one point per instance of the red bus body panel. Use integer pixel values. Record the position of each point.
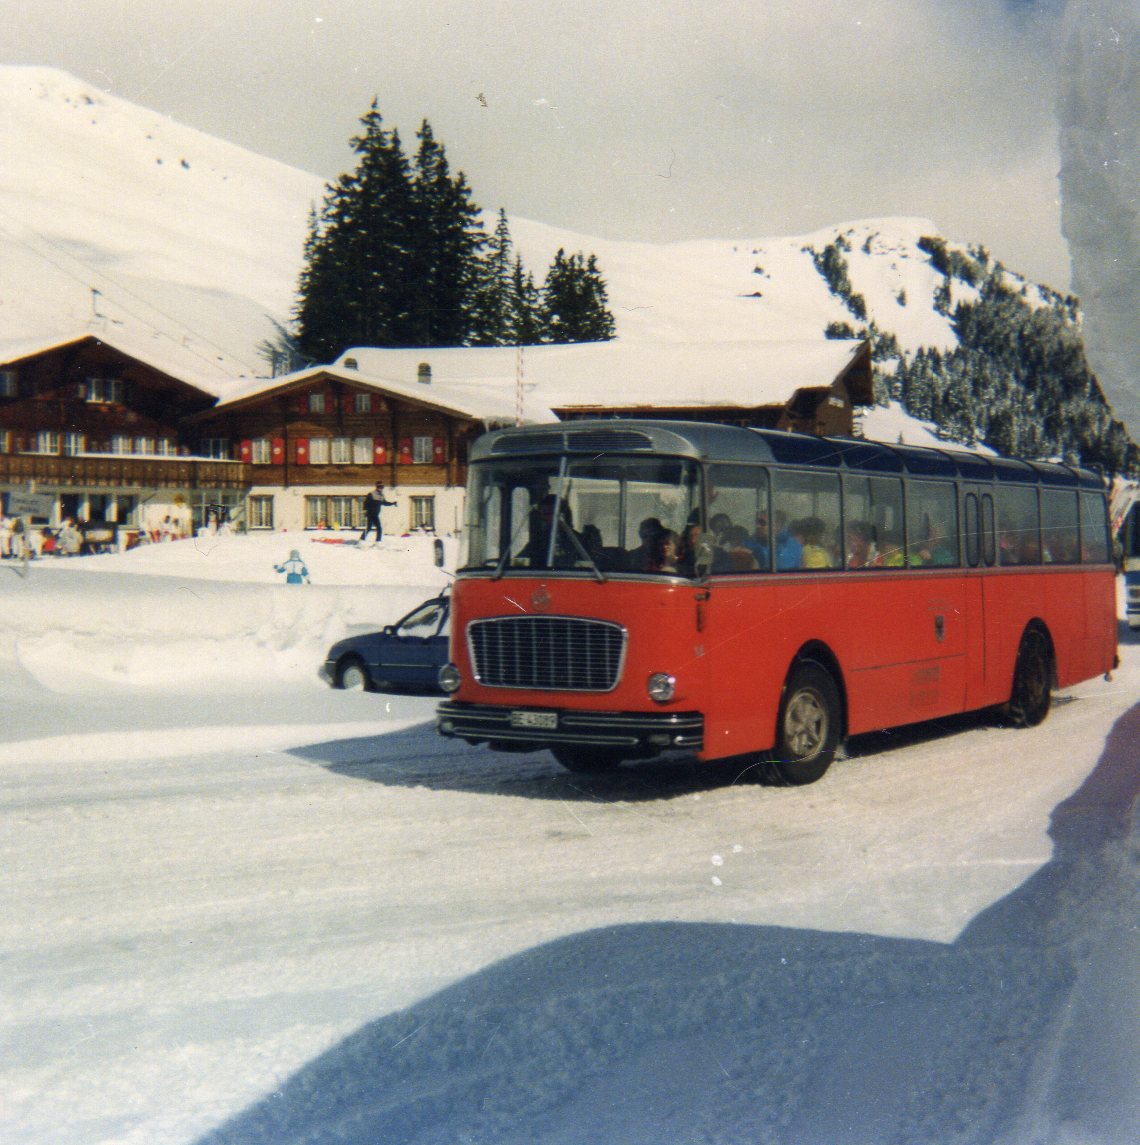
(908, 645)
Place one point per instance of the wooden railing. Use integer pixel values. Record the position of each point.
(115, 471)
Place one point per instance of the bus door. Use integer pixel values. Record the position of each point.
(979, 534)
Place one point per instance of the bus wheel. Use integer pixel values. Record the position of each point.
(586, 759)
(1032, 693)
(808, 727)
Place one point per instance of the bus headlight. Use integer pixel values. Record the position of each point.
(449, 678)
(661, 687)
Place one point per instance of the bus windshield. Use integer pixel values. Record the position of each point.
(593, 515)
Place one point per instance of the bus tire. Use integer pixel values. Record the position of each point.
(586, 760)
(1032, 692)
(808, 730)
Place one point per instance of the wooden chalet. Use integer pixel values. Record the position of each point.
(104, 434)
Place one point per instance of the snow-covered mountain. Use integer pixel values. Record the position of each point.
(116, 219)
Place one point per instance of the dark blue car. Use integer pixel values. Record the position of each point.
(407, 654)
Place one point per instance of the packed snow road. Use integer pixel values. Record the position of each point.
(244, 907)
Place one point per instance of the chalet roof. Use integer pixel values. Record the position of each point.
(485, 382)
(169, 362)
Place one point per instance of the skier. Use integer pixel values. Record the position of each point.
(374, 501)
(294, 569)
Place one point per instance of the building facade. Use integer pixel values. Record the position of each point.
(95, 433)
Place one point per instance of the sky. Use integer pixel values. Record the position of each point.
(652, 120)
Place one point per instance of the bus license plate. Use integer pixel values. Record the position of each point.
(534, 719)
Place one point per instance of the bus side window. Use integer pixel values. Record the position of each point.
(1094, 528)
(932, 524)
(1059, 526)
(1018, 526)
(873, 514)
(805, 510)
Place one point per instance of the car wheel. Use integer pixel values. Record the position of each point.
(353, 676)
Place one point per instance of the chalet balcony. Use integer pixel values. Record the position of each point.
(120, 471)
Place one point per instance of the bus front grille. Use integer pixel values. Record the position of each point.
(552, 653)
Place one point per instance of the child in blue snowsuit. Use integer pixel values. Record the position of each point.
(294, 569)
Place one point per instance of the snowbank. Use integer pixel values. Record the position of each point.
(197, 613)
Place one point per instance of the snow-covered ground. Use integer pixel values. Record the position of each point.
(239, 906)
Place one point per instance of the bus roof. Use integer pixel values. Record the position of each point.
(728, 443)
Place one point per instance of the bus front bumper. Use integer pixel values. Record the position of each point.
(531, 729)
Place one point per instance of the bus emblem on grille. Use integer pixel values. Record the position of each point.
(540, 600)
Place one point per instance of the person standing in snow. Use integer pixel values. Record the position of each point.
(374, 501)
(294, 569)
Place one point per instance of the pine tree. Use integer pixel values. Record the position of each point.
(354, 288)
(526, 307)
(447, 240)
(495, 307)
(574, 301)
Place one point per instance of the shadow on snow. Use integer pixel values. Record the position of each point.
(417, 757)
(1019, 1031)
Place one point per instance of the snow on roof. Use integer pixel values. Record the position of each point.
(484, 381)
(165, 360)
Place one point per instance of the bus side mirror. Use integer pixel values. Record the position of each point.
(437, 553)
(703, 555)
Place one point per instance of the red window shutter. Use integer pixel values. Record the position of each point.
(405, 451)
(301, 451)
(247, 451)
(302, 403)
(278, 450)
(379, 451)
(349, 403)
(439, 451)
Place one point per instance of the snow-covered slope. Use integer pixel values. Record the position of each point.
(116, 220)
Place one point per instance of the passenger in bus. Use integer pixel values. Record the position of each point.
(641, 558)
(719, 523)
(733, 554)
(861, 551)
(891, 553)
(935, 549)
(811, 532)
(666, 557)
(789, 550)
(535, 551)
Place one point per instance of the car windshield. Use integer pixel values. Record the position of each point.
(425, 621)
(592, 515)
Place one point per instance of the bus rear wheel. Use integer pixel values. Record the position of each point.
(586, 759)
(808, 727)
(1032, 693)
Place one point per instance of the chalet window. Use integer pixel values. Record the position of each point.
(362, 403)
(422, 451)
(334, 513)
(47, 441)
(73, 444)
(102, 390)
(423, 513)
(342, 450)
(5, 441)
(316, 403)
(215, 447)
(145, 446)
(10, 384)
(120, 443)
(319, 451)
(261, 451)
(166, 447)
(260, 512)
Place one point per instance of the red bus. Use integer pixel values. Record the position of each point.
(634, 587)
